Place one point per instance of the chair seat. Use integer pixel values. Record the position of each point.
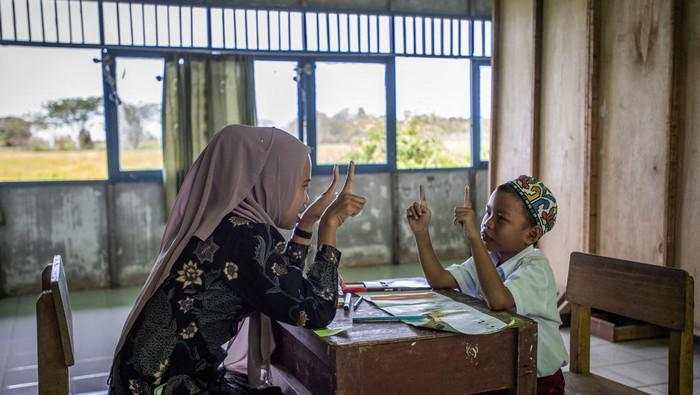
(592, 384)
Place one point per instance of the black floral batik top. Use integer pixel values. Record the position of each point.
(243, 267)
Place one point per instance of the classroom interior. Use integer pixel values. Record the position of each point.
(105, 103)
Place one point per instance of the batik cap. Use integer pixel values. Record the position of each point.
(538, 199)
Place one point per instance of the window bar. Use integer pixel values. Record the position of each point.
(452, 36)
(235, 27)
(143, 24)
(359, 34)
(155, 14)
(42, 23)
(14, 20)
(289, 31)
(279, 30)
(70, 23)
(303, 31)
(425, 36)
(119, 31)
(413, 23)
(470, 30)
(29, 24)
(245, 27)
(328, 34)
(131, 23)
(167, 17)
(483, 39)
(337, 27)
(41, 14)
(223, 28)
(257, 30)
(179, 17)
(367, 36)
(376, 31)
(433, 28)
(449, 23)
(347, 30)
(441, 25)
(392, 48)
(318, 33)
(403, 23)
(82, 23)
(191, 27)
(100, 19)
(269, 39)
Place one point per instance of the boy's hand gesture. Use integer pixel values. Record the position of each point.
(466, 216)
(418, 213)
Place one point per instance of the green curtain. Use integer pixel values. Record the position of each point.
(200, 96)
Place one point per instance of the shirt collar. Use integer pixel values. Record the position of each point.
(509, 265)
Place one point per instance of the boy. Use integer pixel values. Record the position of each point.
(505, 269)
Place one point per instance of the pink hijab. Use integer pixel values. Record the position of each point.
(250, 171)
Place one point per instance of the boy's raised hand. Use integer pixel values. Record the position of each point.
(466, 216)
(418, 213)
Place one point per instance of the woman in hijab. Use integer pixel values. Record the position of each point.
(222, 259)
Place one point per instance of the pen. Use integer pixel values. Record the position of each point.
(357, 303)
(346, 301)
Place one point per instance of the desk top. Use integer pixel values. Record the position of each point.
(394, 356)
(397, 331)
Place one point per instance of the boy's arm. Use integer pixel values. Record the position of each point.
(418, 215)
(436, 275)
(498, 297)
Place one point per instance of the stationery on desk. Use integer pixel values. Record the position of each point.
(387, 285)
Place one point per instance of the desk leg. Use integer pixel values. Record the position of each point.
(526, 369)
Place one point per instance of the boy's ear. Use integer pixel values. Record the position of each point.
(533, 235)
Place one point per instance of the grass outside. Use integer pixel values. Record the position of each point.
(26, 165)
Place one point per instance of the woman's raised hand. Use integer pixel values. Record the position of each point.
(315, 210)
(346, 204)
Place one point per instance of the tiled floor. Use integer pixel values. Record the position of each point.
(98, 317)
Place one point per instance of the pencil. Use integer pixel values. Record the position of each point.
(357, 303)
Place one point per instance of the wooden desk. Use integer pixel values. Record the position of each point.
(394, 358)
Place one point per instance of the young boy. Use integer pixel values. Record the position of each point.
(505, 269)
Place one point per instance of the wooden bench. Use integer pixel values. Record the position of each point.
(54, 330)
(658, 295)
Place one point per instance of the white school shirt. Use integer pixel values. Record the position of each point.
(531, 282)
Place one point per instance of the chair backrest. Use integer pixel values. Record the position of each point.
(54, 330)
(658, 295)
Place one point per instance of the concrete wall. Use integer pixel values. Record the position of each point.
(109, 234)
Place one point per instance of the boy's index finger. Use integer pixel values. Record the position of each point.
(467, 196)
(421, 193)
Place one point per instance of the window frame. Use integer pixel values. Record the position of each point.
(114, 171)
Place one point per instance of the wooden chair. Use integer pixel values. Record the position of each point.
(54, 330)
(658, 295)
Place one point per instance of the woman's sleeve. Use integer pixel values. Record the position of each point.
(269, 273)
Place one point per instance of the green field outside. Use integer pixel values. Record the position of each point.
(25, 165)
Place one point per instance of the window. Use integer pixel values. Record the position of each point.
(140, 130)
(485, 107)
(276, 95)
(350, 113)
(51, 115)
(433, 122)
